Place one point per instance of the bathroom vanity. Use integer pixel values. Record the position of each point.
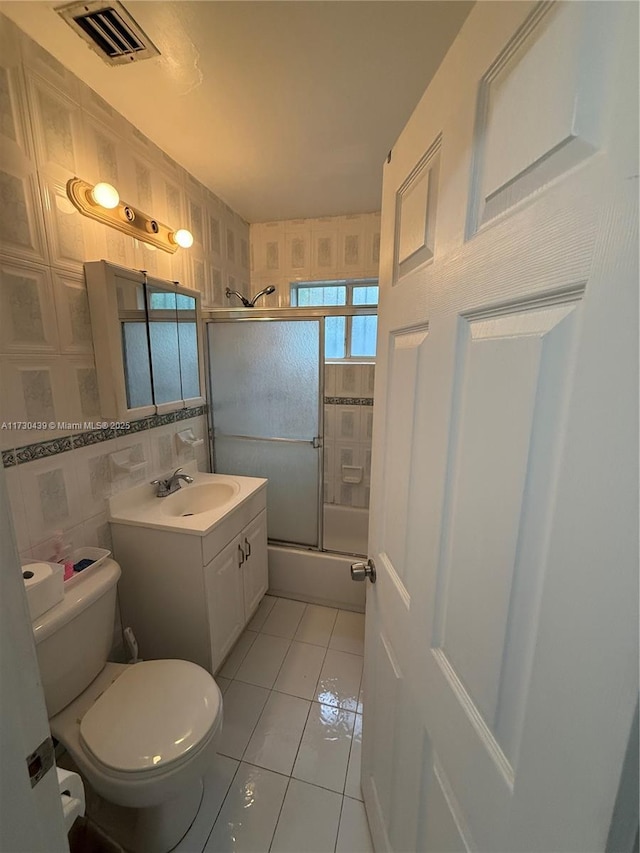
(194, 565)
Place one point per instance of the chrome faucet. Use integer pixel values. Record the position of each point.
(171, 484)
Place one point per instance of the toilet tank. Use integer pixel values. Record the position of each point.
(73, 639)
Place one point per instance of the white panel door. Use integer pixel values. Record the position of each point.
(501, 663)
(31, 815)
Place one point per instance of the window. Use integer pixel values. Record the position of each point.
(352, 336)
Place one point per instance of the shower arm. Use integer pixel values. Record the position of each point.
(229, 293)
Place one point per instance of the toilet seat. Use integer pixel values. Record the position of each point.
(154, 717)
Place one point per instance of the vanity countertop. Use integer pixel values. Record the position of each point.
(196, 508)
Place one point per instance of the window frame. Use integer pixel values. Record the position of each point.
(350, 285)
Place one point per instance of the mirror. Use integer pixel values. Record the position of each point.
(146, 342)
(188, 348)
(163, 344)
(132, 317)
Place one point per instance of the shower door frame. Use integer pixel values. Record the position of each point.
(218, 315)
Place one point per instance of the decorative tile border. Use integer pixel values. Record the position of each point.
(8, 458)
(348, 401)
(163, 420)
(134, 426)
(94, 436)
(184, 414)
(43, 449)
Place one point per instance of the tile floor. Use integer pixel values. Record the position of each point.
(287, 776)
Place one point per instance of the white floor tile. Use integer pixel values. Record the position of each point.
(339, 682)
(250, 812)
(352, 786)
(316, 625)
(348, 633)
(238, 654)
(263, 661)
(223, 683)
(275, 740)
(243, 704)
(284, 618)
(264, 609)
(309, 820)
(300, 670)
(216, 785)
(353, 836)
(324, 750)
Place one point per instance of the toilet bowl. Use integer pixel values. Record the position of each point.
(142, 735)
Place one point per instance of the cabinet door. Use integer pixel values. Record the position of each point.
(225, 604)
(256, 575)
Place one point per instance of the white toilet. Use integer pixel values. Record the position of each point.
(142, 735)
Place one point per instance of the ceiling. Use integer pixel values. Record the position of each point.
(284, 109)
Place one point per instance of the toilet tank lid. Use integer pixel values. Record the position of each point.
(78, 596)
(155, 714)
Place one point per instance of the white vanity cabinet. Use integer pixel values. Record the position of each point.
(255, 572)
(235, 582)
(188, 594)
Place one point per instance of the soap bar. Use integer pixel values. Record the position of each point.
(82, 564)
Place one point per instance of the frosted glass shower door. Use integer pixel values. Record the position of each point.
(267, 415)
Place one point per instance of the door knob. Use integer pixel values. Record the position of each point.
(362, 571)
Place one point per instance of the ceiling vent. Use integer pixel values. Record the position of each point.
(109, 30)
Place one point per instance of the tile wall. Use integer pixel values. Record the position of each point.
(348, 420)
(53, 127)
(331, 247)
(328, 248)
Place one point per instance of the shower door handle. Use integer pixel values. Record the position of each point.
(361, 571)
(315, 442)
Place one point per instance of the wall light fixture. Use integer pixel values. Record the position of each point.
(105, 195)
(182, 237)
(102, 203)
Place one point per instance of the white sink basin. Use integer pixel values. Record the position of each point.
(194, 499)
(195, 508)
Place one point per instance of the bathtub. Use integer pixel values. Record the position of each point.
(314, 576)
(323, 577)
(346, 529)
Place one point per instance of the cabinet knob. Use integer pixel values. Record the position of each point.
(247, 546)
(241, 557)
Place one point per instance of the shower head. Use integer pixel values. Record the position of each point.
(265, 292)
(246, 302)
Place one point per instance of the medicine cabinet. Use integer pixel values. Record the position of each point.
(147, 345)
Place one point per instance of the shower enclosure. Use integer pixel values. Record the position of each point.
(269, 406)
(266, 381)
